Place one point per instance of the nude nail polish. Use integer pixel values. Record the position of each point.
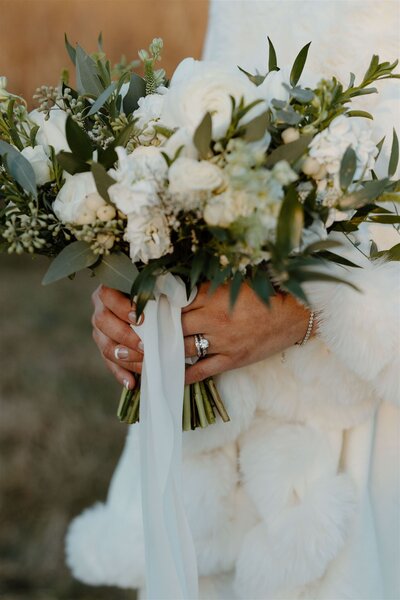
(121, 353)
(132, 316)
(127, 384)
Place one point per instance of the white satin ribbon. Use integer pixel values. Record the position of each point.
(171, 567)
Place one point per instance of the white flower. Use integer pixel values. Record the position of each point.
(329, 146)
(40, 163)
(78, 200)
(272, 87)
(188, 175)
(284, 173)
(51, 132)
(183, 140)
(198, 87)
(139, 178)
(148, 236)
(149, 109)
(224, 209)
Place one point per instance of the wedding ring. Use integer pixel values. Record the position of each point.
(202, 345)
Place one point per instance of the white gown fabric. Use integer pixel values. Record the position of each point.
(298, 496)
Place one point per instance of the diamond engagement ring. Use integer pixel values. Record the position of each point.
(202, 345)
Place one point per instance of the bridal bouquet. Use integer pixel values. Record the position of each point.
(217, 175)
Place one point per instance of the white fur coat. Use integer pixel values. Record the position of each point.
(278, 499)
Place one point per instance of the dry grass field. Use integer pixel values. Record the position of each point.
(59, 437)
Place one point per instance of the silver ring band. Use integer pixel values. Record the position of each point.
(202, 345)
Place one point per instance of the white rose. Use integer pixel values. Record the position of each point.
(188, 175)
(132, 198)
(148, 236)
(180, 139)
(77, 200)
(51, 132)
(272, 87)
(329, 146)
(40, 163)
(198, 87)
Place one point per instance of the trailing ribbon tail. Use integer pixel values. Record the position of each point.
(171, 567)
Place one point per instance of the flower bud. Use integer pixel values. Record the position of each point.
(94, 201)
(106, 213)
(290, 135)
(310, 166)
(106, 240)
(86, 217)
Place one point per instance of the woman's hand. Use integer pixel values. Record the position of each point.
(119, 345)
(248, 334)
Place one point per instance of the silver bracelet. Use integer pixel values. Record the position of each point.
(309, 329)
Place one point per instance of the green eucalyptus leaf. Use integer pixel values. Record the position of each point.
(117, 271)
(348, 167)
(298, 65)
(321, 245)
(290, 223)
(385, 219)
(100, 42)
(360, 113)
(102, 179)
(198, 266)
(262, 285)
(256, 128)
(272, 60)
(102, 99)
(144, 291)
(234, 288)
(19, 168)
(379, 146)
(72, 258)
(78, 140)
(308, 275)
(392, 254)
(336, 258)
(294, 288)
(371, 191)
(290, 152)
(300, 94)
(202, 136)
(107, 157)
(288, 116)
(256, 79)
(70, 49)
(136, 90)
(125, 135)
(70, 163)
(87, 78)
(394, 155)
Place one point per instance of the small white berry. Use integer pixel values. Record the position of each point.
(290, 135)
(310, 166)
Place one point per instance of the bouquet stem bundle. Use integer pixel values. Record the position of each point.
(201, 401)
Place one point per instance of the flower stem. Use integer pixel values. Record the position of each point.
(219, 405)
(186, 415)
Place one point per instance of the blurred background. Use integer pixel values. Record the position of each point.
(59, 436)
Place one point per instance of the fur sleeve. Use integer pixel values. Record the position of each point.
(363, 327)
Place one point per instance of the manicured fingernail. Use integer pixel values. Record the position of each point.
(121, 352)
(132, 316)
(127, 384)
(141, 346)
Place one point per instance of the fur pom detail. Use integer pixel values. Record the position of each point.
(217, 553)
(106, 548)
(209, 483)
(280, 462)
(296, 546)
(361, 328)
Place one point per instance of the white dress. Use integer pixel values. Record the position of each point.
(297, 497)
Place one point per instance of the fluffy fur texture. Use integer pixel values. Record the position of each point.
(270, 511)
(296, 546)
